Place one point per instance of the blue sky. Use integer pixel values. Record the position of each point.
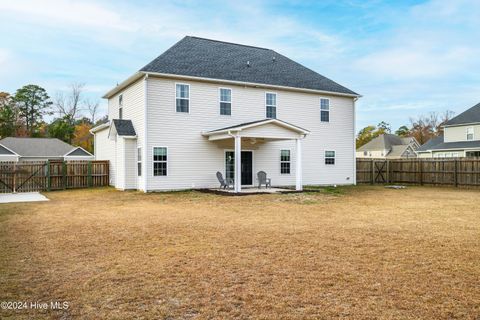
(405, 57)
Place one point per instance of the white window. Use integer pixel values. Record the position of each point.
(160, 158)
(120, 106)
(182, 97)
(325, 110)
(470, 133)
(225, 101)
(448, 154)
(139, 162)
(330, 157)
(285, 161)
(271, 105)
(455, 154)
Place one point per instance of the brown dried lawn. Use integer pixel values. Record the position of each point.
(359, 253)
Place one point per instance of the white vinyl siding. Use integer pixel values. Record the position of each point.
(104, 149)
(193, 160)
(459, 133)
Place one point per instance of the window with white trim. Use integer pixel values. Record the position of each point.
(470, 133)
(325, 110)
(182, 94)
(120, 106)
(285, 161)
(139, 162)
(160, 158)
(330, 157)
(271, 105)
(455, 154)
(225, 101)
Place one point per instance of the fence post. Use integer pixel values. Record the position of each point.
(455, 175)
(420, 169)
(373, 172)
(48, 176)
(14, 177)
(64, 174)
(90, 180)
(388, 171)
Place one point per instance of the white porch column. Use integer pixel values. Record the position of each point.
(238, 163)
(298, 166)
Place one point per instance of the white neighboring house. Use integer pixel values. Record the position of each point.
(461, 137)
(205, 106)
(389, 146)
(40, 149)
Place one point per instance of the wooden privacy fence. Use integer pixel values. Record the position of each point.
(444, 171)
(52, 175)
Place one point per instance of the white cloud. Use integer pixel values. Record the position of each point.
(64, 13)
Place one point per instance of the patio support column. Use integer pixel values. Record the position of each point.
(298, 166)
(238, 163)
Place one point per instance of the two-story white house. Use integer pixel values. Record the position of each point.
(205, 106)
(461, 137)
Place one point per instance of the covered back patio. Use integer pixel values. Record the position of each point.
(255, 133)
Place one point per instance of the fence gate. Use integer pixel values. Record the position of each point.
(23, 177)
(379, 171)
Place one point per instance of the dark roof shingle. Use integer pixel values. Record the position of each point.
(124, 127)
(213, 59)
(438, 144)
(471, 115)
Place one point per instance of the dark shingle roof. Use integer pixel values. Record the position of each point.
(37, 147)
(384, 142)
(213, 59)
(438, 144)
(124, 127)
(79, 152)
(470, 116)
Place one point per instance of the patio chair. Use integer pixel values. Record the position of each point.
(224, 183)
(262, 179)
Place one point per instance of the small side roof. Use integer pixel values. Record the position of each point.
(79, 152)
(4, 151)
(37, 147)
(471, 115)
(124, 127)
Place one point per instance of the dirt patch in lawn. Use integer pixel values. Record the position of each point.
(360, 253)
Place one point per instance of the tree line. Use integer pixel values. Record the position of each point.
(422, 128)
(23, 115)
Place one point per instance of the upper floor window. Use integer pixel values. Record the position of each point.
(470, 133)
(225, 101)
(160, 161)
(329, 157)
(182, 97)
(325, 110)
(271, 105)
(285, 161)
(120, 106)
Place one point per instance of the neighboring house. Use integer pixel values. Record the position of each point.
(205, 106)
(461, 137)
(40, 149)
(389, 146)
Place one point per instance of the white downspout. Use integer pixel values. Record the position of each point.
(145, 136)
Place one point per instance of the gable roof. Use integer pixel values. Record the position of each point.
(471, 115)
(438, 143)
(37, 147)
(399, 150)
(5, 151)
(384, 142)
(79, 151)
(124, 127)
(245, 125)
(205, 58)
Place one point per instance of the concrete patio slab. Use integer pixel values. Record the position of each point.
(22, 197)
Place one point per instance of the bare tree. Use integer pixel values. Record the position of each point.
(426, 127)
(69, 104)
(92, 107)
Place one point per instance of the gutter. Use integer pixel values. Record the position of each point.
(139, 74)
